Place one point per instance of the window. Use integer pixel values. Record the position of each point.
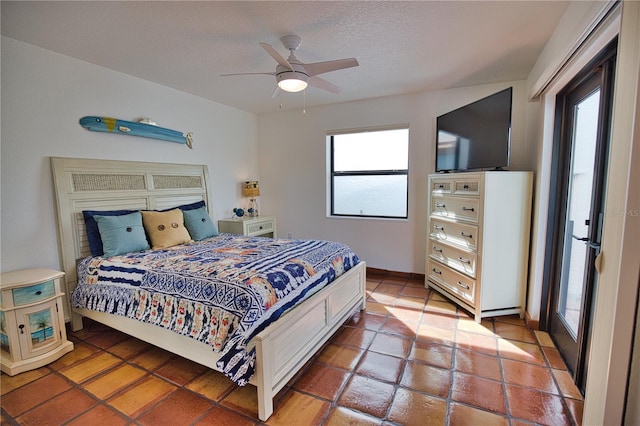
(369, 173)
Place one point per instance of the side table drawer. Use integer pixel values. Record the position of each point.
(260, 227)
(33, 293)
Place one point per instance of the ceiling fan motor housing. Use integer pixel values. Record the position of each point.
(298, 73)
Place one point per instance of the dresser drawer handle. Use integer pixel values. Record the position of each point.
(440, 186)
(463, 260)
(438, 227)
(467, 209)
(465, 186)
(466, 235)
(436, 271)
(436, 249)
(440, 206)
(466, 287)
(38, 293)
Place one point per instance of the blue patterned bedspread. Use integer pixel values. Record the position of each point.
(221, 291)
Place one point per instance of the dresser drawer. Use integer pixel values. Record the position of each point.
(466, 186)
(441, 186)
(452, 281)
(33, 293)
(260, 227)
(460, 260)
(455, 208)
(460, 234)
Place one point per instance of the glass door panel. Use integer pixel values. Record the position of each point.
(581, 174)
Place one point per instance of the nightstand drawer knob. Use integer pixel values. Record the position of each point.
(38, 293)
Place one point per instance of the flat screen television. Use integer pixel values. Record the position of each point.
(476, 136)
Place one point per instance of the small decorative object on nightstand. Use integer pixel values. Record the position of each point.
(263, 226)
(33, 332)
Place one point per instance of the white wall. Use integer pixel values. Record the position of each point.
(43, 96)
(293, 169)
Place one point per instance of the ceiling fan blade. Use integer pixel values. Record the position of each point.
(327, 66)
(275, 55)
(323, 84)
(249, 73)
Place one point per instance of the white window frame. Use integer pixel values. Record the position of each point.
(330, 172)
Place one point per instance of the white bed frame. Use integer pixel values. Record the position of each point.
(281, 349)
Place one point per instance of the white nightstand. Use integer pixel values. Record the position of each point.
(263, 226)
(33, 332)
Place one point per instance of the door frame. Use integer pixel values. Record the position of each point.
(561, 152)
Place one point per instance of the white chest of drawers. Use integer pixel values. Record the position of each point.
(478, 240)
(33, 332)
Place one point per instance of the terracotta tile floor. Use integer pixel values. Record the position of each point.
(411, 358)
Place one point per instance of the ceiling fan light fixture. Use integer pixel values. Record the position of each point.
(292, 81)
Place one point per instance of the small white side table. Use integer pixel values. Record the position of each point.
(263, 226)
(32, 332)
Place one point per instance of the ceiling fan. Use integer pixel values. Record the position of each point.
(293, 75)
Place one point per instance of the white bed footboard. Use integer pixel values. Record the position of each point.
(286, 345)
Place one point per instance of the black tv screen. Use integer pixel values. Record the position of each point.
(475, 136)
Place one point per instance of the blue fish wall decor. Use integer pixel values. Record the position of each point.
(142, 129)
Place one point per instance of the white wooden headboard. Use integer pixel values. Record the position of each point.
(85, 184)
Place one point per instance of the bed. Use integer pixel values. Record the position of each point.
(272, 350)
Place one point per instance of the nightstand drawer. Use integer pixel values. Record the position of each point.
(260, 227)
(33, 293)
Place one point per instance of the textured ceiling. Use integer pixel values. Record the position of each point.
(402, 47)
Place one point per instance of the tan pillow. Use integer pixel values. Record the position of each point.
(165, 229)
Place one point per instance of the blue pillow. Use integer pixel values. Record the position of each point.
(93, 234)
(199, 224)
(122, 234)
